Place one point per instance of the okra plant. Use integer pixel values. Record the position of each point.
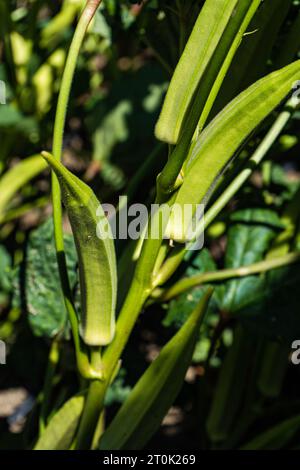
(223, 111)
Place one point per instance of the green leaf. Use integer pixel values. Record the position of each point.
(249, 237)
(277, 437)
(127, 16)
(286, 187)
(181, 307)
(241, 296)
(204, 54)
(101, 26)
(9, 116)
(221, 139)
(12, 120)
(248, 240)
(274, 308)
(260, 216)
(251, 299)
(124, 119)
(266, 303)
(149, 401)
(118, 392)
(60, 432)
(15, 178)
(45, 305)
(96, 255)
(231, 385)
(113, 130)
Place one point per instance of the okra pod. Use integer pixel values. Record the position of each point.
(222, 138)
(96, 256)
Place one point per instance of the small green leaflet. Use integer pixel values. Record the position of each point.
(38, 278)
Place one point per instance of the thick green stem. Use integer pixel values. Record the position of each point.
(60, 119)
(95, 399)
(255, 268)
(92, 408)
(148, 250)
(126, 321)
(66, 84)
(140, 290)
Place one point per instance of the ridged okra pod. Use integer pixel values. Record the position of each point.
(96, 256)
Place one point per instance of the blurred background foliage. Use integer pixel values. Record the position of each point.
(124, 69)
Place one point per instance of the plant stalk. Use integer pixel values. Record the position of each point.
(262, 266)
(97, 390)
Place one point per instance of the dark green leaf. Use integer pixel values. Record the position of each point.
(248, 241)
(274, 307)
(276, 437)
(39, 279)
(231, 384)
(181, 307)
(118, 391)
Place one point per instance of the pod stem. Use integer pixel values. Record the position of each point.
(60, 119)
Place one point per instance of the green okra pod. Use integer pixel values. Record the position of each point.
(96, 256)
(223, 137)
(192, 66)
